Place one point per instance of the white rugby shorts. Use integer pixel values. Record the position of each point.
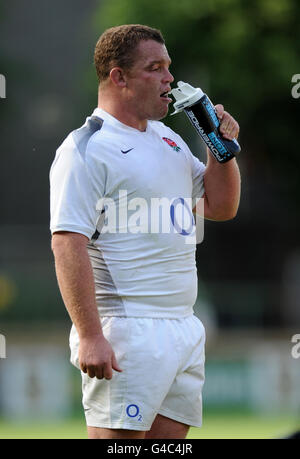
(163, 372)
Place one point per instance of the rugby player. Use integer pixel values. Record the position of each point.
(130, 291)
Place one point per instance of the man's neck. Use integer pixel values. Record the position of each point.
(121, 112)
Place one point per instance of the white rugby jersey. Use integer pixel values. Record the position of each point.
(121, 188)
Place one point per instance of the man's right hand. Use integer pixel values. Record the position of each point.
(97, 358)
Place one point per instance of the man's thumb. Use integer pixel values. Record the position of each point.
(115, 365)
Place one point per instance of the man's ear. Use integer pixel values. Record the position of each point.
(117, 76)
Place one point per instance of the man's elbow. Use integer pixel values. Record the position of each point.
(222, 209)
(227, 216)
(223, 214)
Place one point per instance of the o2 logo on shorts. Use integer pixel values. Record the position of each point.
(133, 411)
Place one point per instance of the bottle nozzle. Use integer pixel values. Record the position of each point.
(185, 95)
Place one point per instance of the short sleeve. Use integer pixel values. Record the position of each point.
(74, 193)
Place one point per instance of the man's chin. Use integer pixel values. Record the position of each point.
(160, 116)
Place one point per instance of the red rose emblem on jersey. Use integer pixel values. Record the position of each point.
(172, 144)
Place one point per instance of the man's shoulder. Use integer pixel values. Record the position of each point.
(82, 136)
(77, 140)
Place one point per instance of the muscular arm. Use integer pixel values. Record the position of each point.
(76, 282)
(222, 189)
(222, 182)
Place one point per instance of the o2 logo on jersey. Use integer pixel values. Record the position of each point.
(133, 411)
(179, 223)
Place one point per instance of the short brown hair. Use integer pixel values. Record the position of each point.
(115, 47)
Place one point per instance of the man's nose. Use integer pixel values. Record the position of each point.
(171, 77)
(168, 77)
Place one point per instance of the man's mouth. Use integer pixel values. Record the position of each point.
(165, 96)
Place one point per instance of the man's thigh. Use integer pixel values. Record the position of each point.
(162, 427)
(144, 349)
(114, 434)
(165, 428)
(183, 402)
(149, 352)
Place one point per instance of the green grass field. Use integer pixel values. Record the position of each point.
(214, 427)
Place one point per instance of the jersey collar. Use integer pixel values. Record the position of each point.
(100, 113)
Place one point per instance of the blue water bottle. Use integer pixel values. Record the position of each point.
(202, 115)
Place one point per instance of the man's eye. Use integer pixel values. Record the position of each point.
(155, 68)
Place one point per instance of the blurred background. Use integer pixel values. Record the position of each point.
(245, 55)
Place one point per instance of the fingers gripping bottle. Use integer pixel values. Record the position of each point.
(202, 115)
